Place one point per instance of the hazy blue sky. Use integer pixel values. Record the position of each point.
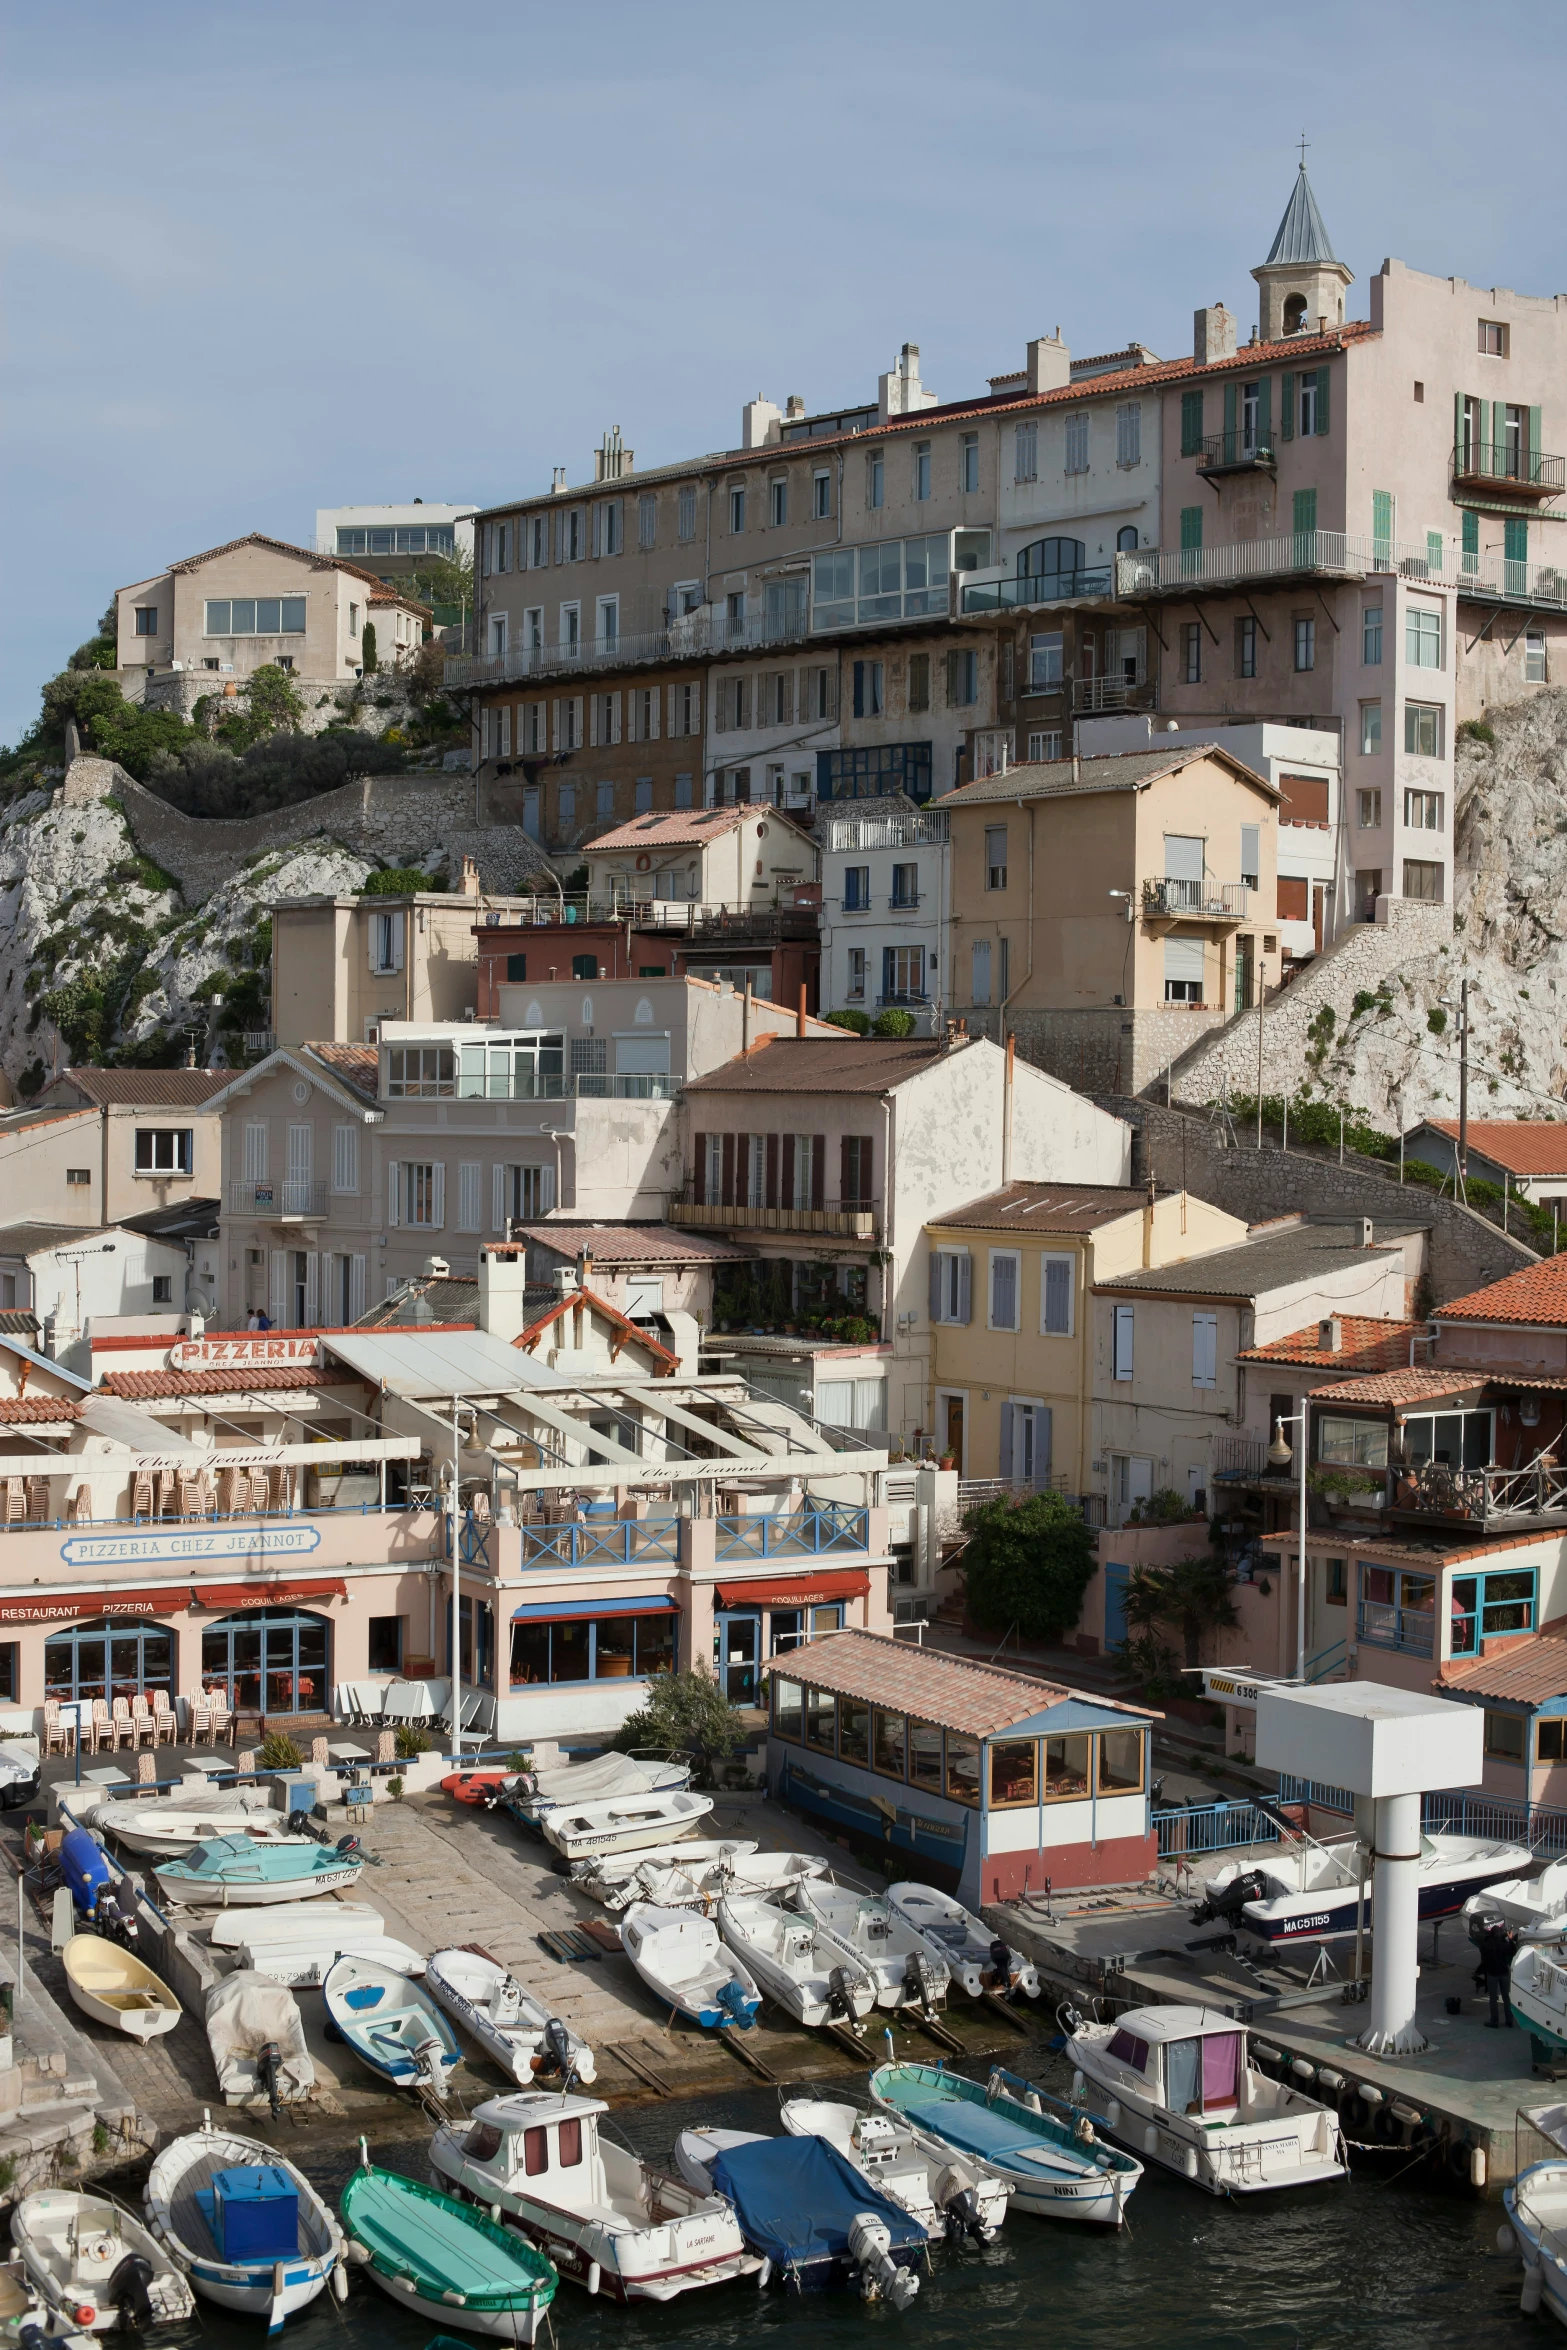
(266, 259)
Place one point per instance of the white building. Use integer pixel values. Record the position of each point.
(884, 890)
(67, 1278)
(394, 538)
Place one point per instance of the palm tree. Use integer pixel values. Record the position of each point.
(1193, 1595)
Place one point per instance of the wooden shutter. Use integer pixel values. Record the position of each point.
(498, 1199)
(1229, 418)
(1191, 424)
(469, 1215)
(394, 1192)
(1532, 453)
(952, 679)
(356, 1288)
(1382, 520)
(345, 1158)
(1322, 399)
(1191, 537)
(699, 1170)
(1458, 426)
(546, 1190)
(1471, 527)
(312, 1290)
(1007, 1411)
(1122, 1367)
(1057, 1297)
(438, 1194)
(1044, 1442)
(1287, 406)
(937, 1267)
(727, 1172)
(1265, 413)
(614, 718)
(965, 1287)
(818, 1169)
(849, 1167)
(1304, 510)
(771, 1191)
(277, 1309)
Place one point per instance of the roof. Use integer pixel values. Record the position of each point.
(1526, 1671)
(1417, 1385)
(1140, 376)
(20, 1411)
(1536, 1295)
(358, 1065)
(1040, 779)
(630, 1244)
(857, 1064)
(187, 1219)
(631, 1333)
(1044, 1207)
(259, 538)
(448, 1301)
(353, 1068)
(1368, 1345)
(951, 1690)
(18, 1322)
(30, 1356)
(30, 1238)
(684, 828)
(1302, 235)
(1524, 1146)
(184, 1089)
(158, 1386)
(1272, 1260)
(438, 1363)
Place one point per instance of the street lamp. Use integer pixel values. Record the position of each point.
(1279, 1457)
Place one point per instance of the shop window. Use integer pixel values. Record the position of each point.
(1066, 1768)
(787, 1629)
(1014, 1772)
(476, 1641)
(925, 1756)
(788, 1709)
(9, 1675)
(385, 1649)
(1120, 1762)
(891, 1739)
(821, 1720)
(269, 1660)
(962, 1769)
(590, 1648)
(854, 1732)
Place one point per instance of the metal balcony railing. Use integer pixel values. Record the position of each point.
(1410, 1630)
(1234, 452)
(910, 999)
(1238, 1458)
(695, 636)
(1488, 1495)
(1035, 587)
(819, 1527)
(1112, 693)
(886, 832)
(1505, 465)
(614, 1542)
(682, 917)
(1203, 901)
(849, 1219)
(1336, 554)
(285, 1197)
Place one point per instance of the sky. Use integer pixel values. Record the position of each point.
(258, 262)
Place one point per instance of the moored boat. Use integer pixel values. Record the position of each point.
(536, 1791)
(230, 1871)
(1177, 2083)
(951, 2194)
(908, 1969)
(619, 1878)
(980, 1960)
(303, 1964)
(795, 1963)
(1310, 1891)
(1530, 1905)
(116, 1988)
(390, 2023)
(1055, 2160)
(257, 2038)
(248, 1928)
(678, 1954)
(243, 2224)
(429, 2252)
(1537, 1989)
(95, 2264)
(815, 2218)
(609, 2220)
(166, 1830)
(25, 2317)
(506, 2020)
(623, 1823)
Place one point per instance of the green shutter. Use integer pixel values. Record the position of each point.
(1458, 427)
(1493, 423)
(1305, 517)
(1434, 553)
(1516, 542)
(1382, 522)
(1191, 528)
(1265, 413)
(1191, 424)
(1471, 537)
(1229, 422)
(1322, 399)
(1532, 471)
(1287, 408)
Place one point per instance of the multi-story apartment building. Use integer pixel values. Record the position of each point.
(343, 965)
(884, 902)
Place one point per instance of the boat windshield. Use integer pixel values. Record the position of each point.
(483, 2142)
(1128, 2049)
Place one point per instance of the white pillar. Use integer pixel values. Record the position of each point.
(1396, 1936)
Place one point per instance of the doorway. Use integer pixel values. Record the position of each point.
(737, 1649)
(949, 1428)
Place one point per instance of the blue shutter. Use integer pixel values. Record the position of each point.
(936, 1264)
(887, 970)
(1265, 413)
(965, 1281)
(1044, 1428)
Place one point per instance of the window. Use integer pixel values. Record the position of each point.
(1397, 1610)
(905, 885)
(867, 689)
(1191, 652)
(415, 1190)
(1205, 1350)
(1550, 1737)
(1504, 1735)
(821, 496)
(1184, 971)
(1077, 443)
(164, 1150)
(163, 1289)
(1026, 443)
(606, 802)
(1129, 433)
(1014, 1772)
(1423, 811)
(1368, 810)
(1423, 729)
(1066, 1767)
(950, 1277)
(345, 1158)
(1004, 1264)
(1245, 648)
(146, 620)
(995, 856)
(921, 470)
(685, 514)
(1121, 1341)
(1045, 655)
(919, 681)
(821, 1720)
(888, 1743)
(1423, 880)
(856, 889)
(1312, 404)
(1493, 338)
(962, 1781)
(420, 1072)
(1335, 1588)
(1484, 1607)
(1120, 1762)
(969, 461)
(778, 502)
(609, 625)
(1305, 642)
(1055, 1295)
(1191, 531)
(875, 478)
(856, 987)
(257, 616)
(1423, 637)
(587, 1648)
(979, 959)
(1351, 1444)
(1370, 728)
(737, 511)
(74, 1175)
(1371, 636)
(1045, 745)
(1535, 670)
(962, 680)
(1251, 856)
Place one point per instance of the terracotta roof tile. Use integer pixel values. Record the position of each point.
(18, 1411)
(951, 1690)
(610, 1245)
(1527, 1671)
(1420, 1385)
(358, 1065)
(1536, 1295)
(266, 1378)
(186, 1089)
(1369, 1345)
(632, 1334)
(1524, 1146)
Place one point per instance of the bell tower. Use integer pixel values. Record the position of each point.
(1302, 281)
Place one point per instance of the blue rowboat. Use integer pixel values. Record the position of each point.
(244, 2225)
(232, 1870)
(448, 2261)
(1055, 2162)
(389, 2022)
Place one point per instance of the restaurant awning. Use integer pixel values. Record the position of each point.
(794, 1590)
(232, 1595)
(67, 1605)
(573, 1611)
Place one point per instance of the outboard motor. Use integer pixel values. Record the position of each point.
(963, 2220)
(555, 2056)
(840, 2001)
(1229, 1900)
(115, 1916)
(350, 1848)
(919, 1985)
(300, 1823)
(870, 2249)
(269, 2064)
(127, 2292)
(731, 1998)
(32, 2338)
(1001, 1961)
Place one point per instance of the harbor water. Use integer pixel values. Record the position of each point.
(1372, 2261)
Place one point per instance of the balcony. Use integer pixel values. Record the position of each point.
(1238, 1460)
(1036, 587)
(1091, 694)
(1194, 901)
(717, 925)
(1234, 452)
(906, 999)
(842, 1219)
(1384, 1624)
(1502, 466)
(603, 1542)
(286, 1201)
(1335, 554)
(696, 636)
(1492, 1498)
(815, 1531)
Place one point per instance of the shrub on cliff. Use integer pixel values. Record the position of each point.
(210, 779)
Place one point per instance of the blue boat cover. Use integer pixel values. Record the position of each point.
(796, 2199)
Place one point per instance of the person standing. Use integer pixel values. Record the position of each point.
(1498, 1946)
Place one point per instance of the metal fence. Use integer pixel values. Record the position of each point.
(833, 1526)
(1212, 1827)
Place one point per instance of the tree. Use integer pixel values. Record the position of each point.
(1028, 1564)
(395, 881)
(894, 1022)
(1192, 1596)
(367, 656)
(688, 1711)
(267, 704)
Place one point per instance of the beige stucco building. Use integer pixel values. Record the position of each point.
(98, 1145)
(343, 965)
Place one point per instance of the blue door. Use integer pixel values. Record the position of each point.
(1116, 1579)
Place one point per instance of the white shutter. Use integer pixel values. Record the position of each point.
(503, 747)
(277, 1308)
(469, 1173)
(345, 1158)
(546, 1190)
(312, 1290)
(256, 1153)
(438, 1194)
(394, 1191)
(498, 1199)
(614, 718)
(356, 1288)
(555, 710)
(300, 1140)
(484, 732)
(1122, 1366)
(652, 715)
(399, 923)
(1205, 1350)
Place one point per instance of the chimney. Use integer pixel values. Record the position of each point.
(799, 1018)
(190, 1055)
(795, 408)
(584, 1268)
(758, 423)
(1049, 364)
(610, 459)
(469, 883)
(899, 392)
(1330, 1335)
(1213, 335)
(503, 1281)
(558, 482)
(1367, 1233)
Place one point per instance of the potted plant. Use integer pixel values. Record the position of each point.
(948, 1460)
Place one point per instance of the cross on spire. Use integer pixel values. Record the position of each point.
(1302, 150)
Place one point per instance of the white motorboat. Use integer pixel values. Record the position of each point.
(796, 1963)
(533, 1793)
(813, 2216)
(257, 2038)
(1177, 2085)
(1310, 1891)
(949, 2193)
(1537, 1990)
(392, 2026)
(249, 1928)
(678, 1954)
(908, 1969)
(623, 1823)
(980, 1960)
(243, 2224)
(24, 2314)
(95, 2264)
(304, 1965)
(116, 1988)
(166, 1830)
(1528, 1904)
(609, 2220)
(1536, 2207)
(506, 2020)
(617, 1878)
(230, 1871)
